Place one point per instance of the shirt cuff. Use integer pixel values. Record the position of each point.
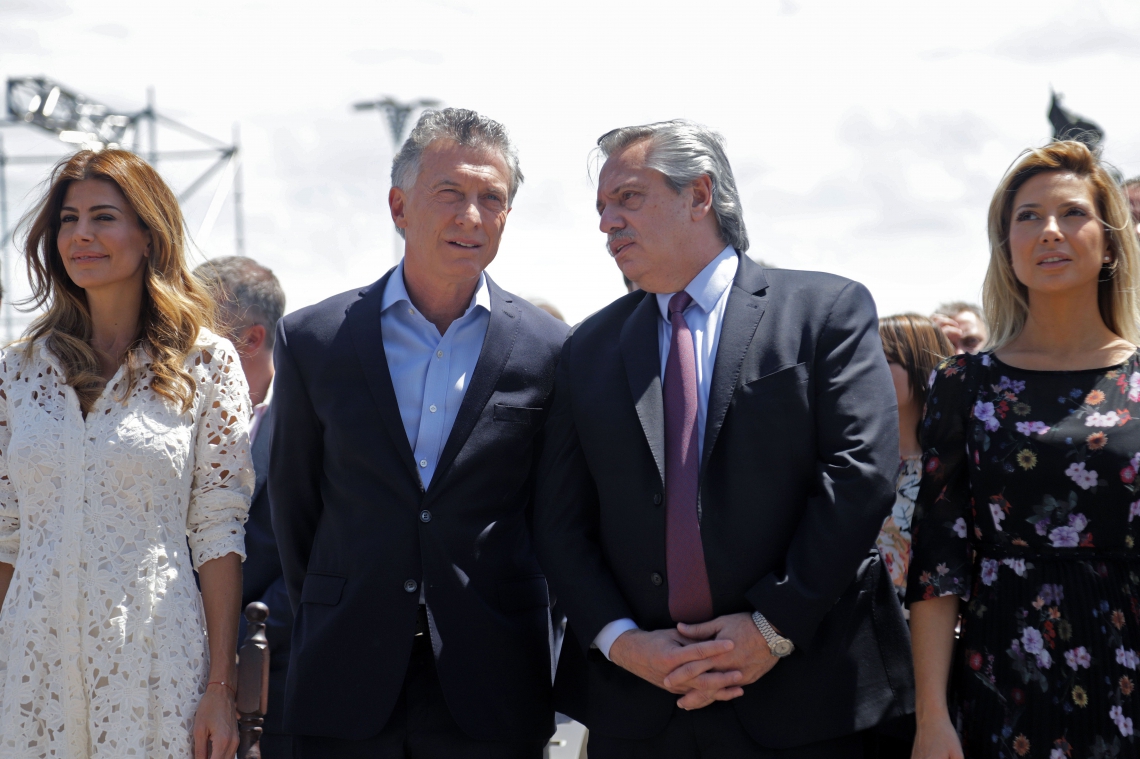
(610, 633)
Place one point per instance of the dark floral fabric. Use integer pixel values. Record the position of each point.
(1028, 510)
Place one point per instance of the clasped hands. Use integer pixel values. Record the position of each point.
(701, 663)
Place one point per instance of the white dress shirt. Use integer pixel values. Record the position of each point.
(705, 316)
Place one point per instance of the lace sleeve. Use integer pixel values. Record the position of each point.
(9, 508)
(943, 512)
(223, 470)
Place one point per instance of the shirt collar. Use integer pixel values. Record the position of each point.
(268, 399)
(396, 291)
(709, 285)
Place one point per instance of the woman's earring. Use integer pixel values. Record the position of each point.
(1107, 259)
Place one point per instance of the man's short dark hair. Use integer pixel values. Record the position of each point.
(955, 307)
(247, 293)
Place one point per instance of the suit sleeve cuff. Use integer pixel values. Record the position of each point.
(610, 633)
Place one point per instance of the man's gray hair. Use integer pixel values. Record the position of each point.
(683, 151)
(247, 293)
(465, 127)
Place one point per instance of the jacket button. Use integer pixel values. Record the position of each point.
(425, 516)
(656, 578)
(656, 499)
(411, 586)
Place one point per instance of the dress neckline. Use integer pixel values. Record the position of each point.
(1099, 370)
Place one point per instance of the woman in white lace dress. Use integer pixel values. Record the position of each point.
(123, 432)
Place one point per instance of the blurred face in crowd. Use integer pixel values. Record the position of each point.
(453, 217)
(973, 332)
(101, 240)
(648, 225)
(1056, 240)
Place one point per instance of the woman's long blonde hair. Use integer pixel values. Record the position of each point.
(175, 305)
(1006, 300)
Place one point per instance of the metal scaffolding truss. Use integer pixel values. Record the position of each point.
(51, 108)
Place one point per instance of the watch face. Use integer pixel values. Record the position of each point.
(783, 647)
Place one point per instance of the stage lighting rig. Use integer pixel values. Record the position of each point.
(396, 112)
(73, 117)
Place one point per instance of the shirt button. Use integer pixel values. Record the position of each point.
(656, 578)
(432, 408)
(439, 354)
(411, 586)
(656, 499)
(425, 516)
(423, 463)
(412, 311)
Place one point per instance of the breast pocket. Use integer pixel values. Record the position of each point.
(794, 373)
(517, 414)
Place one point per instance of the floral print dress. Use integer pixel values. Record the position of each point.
(894, 536)
(1028, 510)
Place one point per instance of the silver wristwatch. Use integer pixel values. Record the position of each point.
(779, 645)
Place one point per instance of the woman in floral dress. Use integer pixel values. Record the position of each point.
(123, 442)
(1026, 515)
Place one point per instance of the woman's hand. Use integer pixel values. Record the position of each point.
(937, 740)
(215, 724)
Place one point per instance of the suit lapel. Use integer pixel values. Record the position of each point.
(642, 356)
(502, 331)
(742, 315)
(363, 319)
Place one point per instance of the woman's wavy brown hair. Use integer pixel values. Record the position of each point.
(175, 305)
(1006, 300)
(914, 342)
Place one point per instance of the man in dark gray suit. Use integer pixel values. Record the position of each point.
(251, 301)
(717, 463)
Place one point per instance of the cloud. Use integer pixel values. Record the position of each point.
(370, 57)
(1082, 37)
(118, 31)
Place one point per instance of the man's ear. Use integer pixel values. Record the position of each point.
(253, 339)
(396, 203)
(702, 190)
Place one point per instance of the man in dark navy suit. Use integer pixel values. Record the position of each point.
(717, 463)
(251, 302)
(407, 419)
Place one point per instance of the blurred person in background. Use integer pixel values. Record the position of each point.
(407, 417)
(964, 325)
(251, 302)
(1024, 522)
(548, 307)
(914, 346)
(1132, 188)
(719, 458)
(123, 429)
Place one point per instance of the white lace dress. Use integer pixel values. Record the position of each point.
(102, 634)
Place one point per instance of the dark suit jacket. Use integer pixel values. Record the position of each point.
(358, 533)
(797, 475)
(262, 579)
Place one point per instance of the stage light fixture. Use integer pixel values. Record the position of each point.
(73, 117)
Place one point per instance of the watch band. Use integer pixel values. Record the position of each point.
(779, 645)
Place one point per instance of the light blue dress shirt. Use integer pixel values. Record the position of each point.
(705, 316)
(430, 372)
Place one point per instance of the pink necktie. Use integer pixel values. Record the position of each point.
(690, 599)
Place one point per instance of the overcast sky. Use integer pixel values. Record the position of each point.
(866, 137)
